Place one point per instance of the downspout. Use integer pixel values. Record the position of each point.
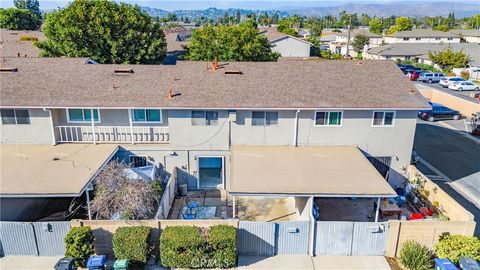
(295, 131)
(312, 228)
(54, 141)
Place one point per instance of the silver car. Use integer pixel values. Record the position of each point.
(430, 77)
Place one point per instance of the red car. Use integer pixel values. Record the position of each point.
(414, 76)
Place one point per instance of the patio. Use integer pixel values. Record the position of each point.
(218, 204)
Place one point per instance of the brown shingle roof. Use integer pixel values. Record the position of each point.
(11, 46)
(63, 82)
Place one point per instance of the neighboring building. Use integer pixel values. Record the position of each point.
(12, 46)
(176, 44)
(341, 39)
(419, 52)
(218, 127)
(286, 45)
(469, 35)
(421, 36)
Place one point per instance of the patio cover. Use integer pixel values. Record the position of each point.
(333, 171)
(50, 171)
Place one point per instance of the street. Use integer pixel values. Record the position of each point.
(451, 158)
(463, 94)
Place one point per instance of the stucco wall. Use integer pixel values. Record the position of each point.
(39, 131)
(290, 47)
(422, 40)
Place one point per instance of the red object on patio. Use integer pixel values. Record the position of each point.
(416, 216)
(425, 211)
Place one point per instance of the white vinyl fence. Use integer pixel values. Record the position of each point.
(168, 197)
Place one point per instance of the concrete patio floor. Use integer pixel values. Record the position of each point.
(319, 262)
(28, 262)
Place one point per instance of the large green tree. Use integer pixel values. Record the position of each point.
(359, 43)
(447, 59)
(104, 31)
(375, 26)
(31, 5)
(229, 43)
(18, 19)
(401, 24)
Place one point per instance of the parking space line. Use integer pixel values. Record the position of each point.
(444, 178)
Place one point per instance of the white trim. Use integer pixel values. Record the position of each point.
(198, 170)
(328, 118)
(145, 110)
(265, 118)
(383, 120)
(83, 114)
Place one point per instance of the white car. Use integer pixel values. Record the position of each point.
(445, 82)
(465, 85)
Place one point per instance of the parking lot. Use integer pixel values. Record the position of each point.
(462, 94)
(450, 157)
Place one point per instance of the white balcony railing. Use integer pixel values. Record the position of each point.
(112, 134)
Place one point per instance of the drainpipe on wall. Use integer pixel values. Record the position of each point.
(54, 141)
(311, 239)
(295, 131)
(93, 126)
(130, 121)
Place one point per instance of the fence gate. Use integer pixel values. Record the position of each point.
(17, 238)
(350, 238)
(33, 238)
(256, 238)
(50, 237)
(292, 237)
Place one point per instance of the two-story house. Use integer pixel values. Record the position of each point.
(326, 116)
(339, 44)
(421, 36)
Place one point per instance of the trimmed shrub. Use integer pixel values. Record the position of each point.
(181, 246)
(28, 38)
(79, 245)
(454, 246)
(465, 74)
(193, 247)
(415, 256)
(132, 243)
(223, 240)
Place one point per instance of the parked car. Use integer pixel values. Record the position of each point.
(463, 85)
(439, 112)
(413, 76)
(445, 82)
(430, 77)
(405, 68)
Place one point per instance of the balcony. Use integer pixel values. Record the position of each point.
(111, 134)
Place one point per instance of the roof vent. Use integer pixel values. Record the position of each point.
(123, 71)
(233, 71)
(8, 69)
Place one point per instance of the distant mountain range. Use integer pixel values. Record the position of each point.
(406, 8)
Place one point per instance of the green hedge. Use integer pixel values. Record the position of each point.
(453, 247)
(79, 245)
(193, 247)
(415, 256)
(132, 243)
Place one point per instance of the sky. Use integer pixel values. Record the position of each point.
(201, 4)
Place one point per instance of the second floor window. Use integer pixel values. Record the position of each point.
(15, 117)
(406, 38)
(204, 118)
(449, 38)
(383, 119)
(328, 118)
(264, 118)
(418, 38)
(82, 115)
(146, 115)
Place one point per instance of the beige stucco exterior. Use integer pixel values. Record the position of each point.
(389, 40)
(291, 47)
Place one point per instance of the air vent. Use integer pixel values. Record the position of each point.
(123, 71)
(233, 71)
(8, 69)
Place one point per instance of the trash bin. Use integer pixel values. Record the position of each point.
(444, 264)
(65, 264)
(121, 265)
(96, 262)
(468, 264)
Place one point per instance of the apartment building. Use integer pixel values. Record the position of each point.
(196, 118)
(339, 44)
(421, 36)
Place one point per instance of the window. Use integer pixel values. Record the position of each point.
(328, 118)
(146, 115)
(449, 38)
(82, 115)
(204, 118)
(437, 38)
(418, 38)
(406, 38)
(138, 161)
(15, 117)
(383, 118)
(264, 118)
